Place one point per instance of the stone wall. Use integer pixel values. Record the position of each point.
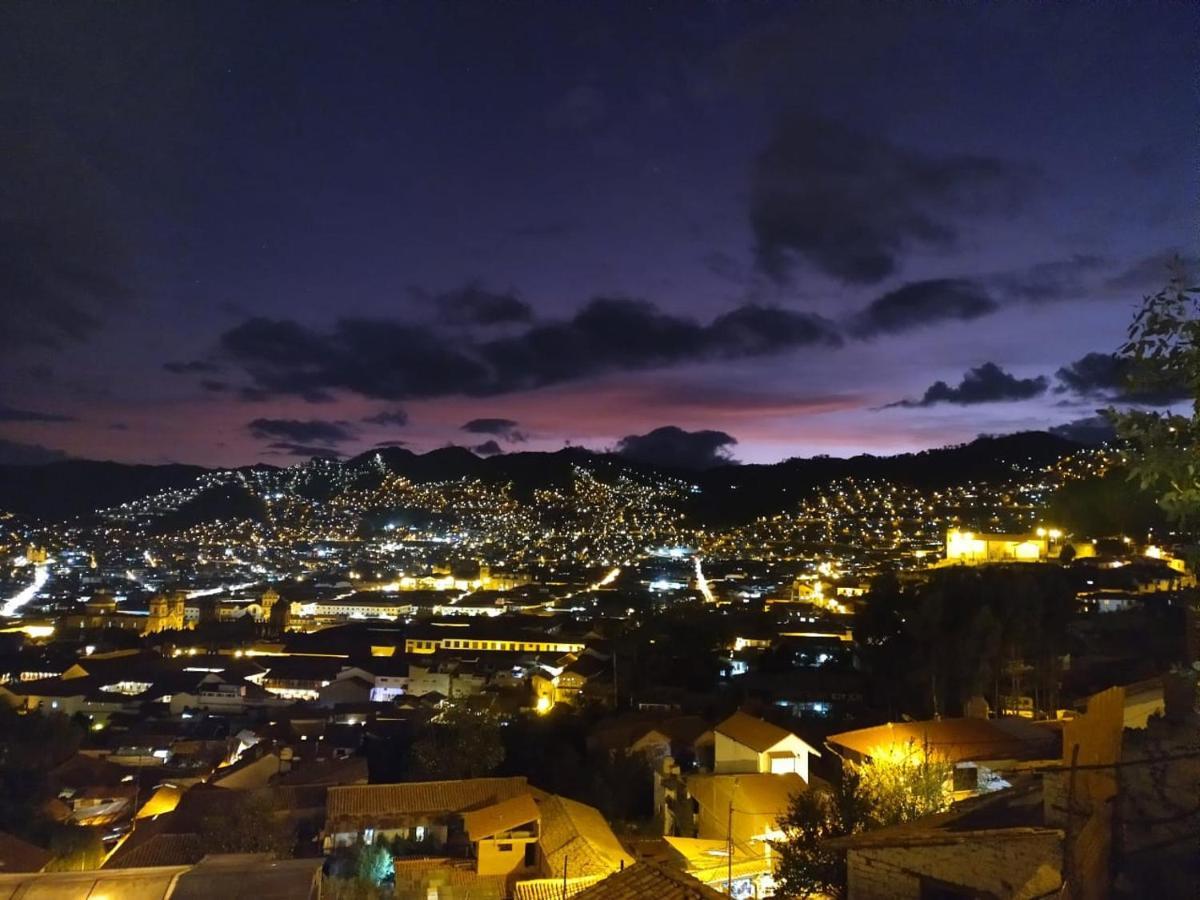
(1011, 866)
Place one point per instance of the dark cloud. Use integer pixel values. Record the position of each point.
(63, 265)
(388, 417)
(474, 305)
(986, 384)
(191, 367)
(923, 303)
(396, 360)
(1091, 430)
(310, 431)
(1094, 375)
(487, 448)
(14, 453)
(505, 428)
(214, 386)
(12, 414)
(672, 447)
(1150, 273)
(1104, 376)
(851, 205)
(290, 448)
(1051, 281)
(392, 443)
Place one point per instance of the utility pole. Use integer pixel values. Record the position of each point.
(564, 896)
(729, 848)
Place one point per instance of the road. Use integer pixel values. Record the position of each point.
(12, 606)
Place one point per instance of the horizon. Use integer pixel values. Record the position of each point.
(613, 452)
(242, 237)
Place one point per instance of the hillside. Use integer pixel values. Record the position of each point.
(727, 493)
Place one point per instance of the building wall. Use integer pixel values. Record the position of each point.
(732, 757)
(798, 763)
(1018, 868)
(543, 645)
(493, 859)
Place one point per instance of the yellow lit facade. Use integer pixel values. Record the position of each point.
(973, 548)
(506, 645)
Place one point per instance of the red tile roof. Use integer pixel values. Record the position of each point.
(649, 879)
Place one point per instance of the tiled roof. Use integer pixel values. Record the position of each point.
(552, 888)
(377, 802)
(17, 855)
(352, 770)
(500, 817)
(650, 879)
(958, 740)
(160, 850)
(754, 733)
(579, 833)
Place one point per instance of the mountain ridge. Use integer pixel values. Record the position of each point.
(68, 488)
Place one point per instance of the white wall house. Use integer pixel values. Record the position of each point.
(744, 744)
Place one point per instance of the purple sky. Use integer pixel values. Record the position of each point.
(590, 220)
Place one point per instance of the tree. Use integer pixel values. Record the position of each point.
(462, 742)
(804, 866)
(1163, 355)
(907, 785)
(374, 863)
(250, 823)
(931, 645)
(911, 784)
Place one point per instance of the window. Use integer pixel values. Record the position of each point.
(368, 835)
(504, 848)
(966, 778)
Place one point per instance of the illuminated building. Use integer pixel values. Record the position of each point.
(166, 613)
(973, 548)
(435, 637)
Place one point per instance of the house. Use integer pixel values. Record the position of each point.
(577, 840)
(978, 749)
(759, 802)
(650, 879)
(514, 834)
(504, 835)
(421, 811)
(747, 870)
(743, 743)
(17, 855)
(996, 845)
(351, 689)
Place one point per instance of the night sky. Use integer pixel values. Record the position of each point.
(258, 231)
